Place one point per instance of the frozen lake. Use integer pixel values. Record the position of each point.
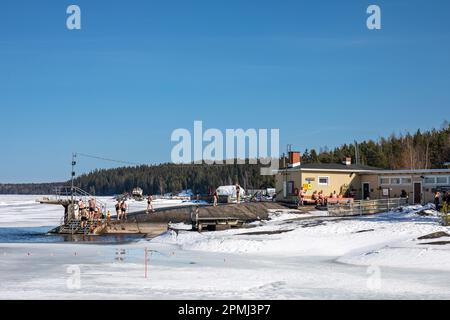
(287, 257)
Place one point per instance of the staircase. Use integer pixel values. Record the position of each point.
(67, 194)
(74, 227)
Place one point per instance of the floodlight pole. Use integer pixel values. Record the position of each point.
(74, 155)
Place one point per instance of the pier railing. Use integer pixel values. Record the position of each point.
(65, 192)
(365, 207)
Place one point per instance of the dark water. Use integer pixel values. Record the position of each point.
(40, 235)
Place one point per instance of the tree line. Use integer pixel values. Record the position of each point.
(419, 150)
(29, 188)
(167, 178)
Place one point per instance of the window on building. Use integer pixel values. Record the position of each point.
(441, 180)
(430, 180)
(395, 180)
(406, 180)
(323, 181)
(384, 181)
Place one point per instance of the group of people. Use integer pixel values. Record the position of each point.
(319, 198)
(121, 209)
(90, 212)
(444, 196)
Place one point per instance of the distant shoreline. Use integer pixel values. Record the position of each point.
(29, 188)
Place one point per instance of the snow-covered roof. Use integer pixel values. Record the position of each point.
(229, 191)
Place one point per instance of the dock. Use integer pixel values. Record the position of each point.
(200, 216)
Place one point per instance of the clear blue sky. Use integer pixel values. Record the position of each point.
(140, 69)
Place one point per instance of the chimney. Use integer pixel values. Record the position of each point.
(347, 161)
(294, 159)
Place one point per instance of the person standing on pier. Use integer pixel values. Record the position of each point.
(83, 214)
(124, 208)
(118, 210)
(238, 193)
(82, 207)
(150, 204)
(92, 208)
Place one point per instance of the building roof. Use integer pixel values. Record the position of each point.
(338, 167)
(331, 167)
(413, 171)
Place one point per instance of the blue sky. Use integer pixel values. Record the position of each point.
(140, 69)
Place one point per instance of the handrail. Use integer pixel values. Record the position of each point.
(362, 207)
(68, 191)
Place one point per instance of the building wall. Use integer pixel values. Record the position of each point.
(427, 190)
(337, 181)
(281, 177)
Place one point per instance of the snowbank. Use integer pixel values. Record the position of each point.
(288, 233)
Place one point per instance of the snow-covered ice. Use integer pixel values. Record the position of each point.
(290, 256)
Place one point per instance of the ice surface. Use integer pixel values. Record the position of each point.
(290, 256)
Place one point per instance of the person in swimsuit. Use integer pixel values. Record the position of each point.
(92, 207)
(301, 197)
(124, 206)
(238, 193)
(118, 209)
(216, 198)
(81, 207)
(150, 204)
(83, 214)
(321, 198)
